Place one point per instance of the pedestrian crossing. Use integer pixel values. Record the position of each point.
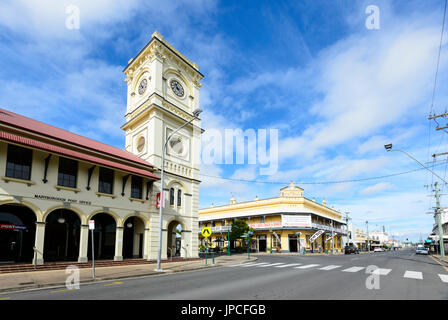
(408, 274)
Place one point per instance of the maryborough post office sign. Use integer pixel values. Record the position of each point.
(43, 197)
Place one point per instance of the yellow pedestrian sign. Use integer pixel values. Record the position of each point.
(206, 232)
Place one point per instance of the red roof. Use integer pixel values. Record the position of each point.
(28, 124)
(74, 154)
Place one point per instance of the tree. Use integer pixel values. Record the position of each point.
(239, 227)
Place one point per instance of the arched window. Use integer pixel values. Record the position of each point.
(172, 196)
(179, 198)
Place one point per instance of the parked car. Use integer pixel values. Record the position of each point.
(349, 249)
(421, 250)
(378, 249)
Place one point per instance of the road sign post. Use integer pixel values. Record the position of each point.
(206, 232)
(228, 242)
(92, 227)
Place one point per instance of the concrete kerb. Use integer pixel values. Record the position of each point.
(179, 267)
(439, 260)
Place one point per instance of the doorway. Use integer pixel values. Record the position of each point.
(104, 237)
(17, 233)
(262, 243)
(62, 232)
(292, 242)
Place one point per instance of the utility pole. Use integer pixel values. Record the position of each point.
(438, 214)
(348, 237)
(368, 242)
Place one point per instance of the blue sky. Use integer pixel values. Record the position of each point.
(335, 91)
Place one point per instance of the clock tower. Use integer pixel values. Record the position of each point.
(163, 90)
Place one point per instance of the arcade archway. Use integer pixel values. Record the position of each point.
(133, 237)
(17, 233)
(104, 237)
(174, 239)
(62, 232)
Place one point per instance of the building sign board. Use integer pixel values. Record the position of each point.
(265, 225)
(296, 221)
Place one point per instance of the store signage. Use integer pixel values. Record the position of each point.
(12, 227)
(316, 235)
(296, 221)
(158, 201)
(265, 225)
(278, 238)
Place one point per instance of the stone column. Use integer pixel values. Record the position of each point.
(119, 244)
(284, 241)
(39, 241)
(146, 244)
(164, 244)
(83, 243)
(185, 244)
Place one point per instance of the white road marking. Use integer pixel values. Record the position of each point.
(443, 277)
(289, 265)
(242, 264)
(413, 275)
(330, 267)
(354, 269)
(382, 272)
(253, 265)
(270, 265)
(308, 266)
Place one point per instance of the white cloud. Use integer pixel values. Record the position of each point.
(376, 188)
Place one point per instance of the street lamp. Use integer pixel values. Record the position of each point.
(196, 113)
(388, 148)
(442, 249)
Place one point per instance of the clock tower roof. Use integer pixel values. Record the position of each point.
(156, 37)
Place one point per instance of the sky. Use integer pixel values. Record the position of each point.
(334, 90)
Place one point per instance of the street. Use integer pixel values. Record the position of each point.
(402, 275)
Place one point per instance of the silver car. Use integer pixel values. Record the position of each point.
(421, 250)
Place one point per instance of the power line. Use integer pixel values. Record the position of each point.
(435, 82)
(438, 58)
(319, 182)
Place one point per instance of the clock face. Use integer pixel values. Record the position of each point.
(142, 86)
(140, 144)
(177, 88)
(177, 145)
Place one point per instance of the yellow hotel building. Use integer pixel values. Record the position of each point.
(288, 222)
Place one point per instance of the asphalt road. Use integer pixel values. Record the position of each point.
(401, 275)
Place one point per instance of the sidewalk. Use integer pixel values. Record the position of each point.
(443, 261)
(56, 278)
